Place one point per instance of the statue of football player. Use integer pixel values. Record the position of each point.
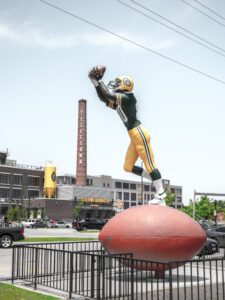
(118, 95)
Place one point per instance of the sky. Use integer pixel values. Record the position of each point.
(45, 57)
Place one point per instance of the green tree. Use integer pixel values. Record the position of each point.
(35, 213)
(21, 213)
(11, 214)
(42, 213)
(16, 213)
(204, 209)
(27, 213)
(78, 209)
(170, 198)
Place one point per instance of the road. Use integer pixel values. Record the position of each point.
(6, 254)
(58, 232)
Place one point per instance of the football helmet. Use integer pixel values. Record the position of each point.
(122, 83)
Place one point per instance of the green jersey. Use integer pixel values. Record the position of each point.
(126, 106)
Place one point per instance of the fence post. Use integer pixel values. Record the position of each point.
(132, 277)
(63, 272)
(92, 275)
(35, 268)
(170, 282)
(13, 253)
(98, 276)
(71, 275)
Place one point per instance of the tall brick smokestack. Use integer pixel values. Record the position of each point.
(81, 176)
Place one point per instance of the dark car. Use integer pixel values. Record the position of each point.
(214, 233)
(10, 234)
(39, 224)
(210, 248)
(89, 223)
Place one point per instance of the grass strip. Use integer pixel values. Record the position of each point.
(55, 239)
(10, 292)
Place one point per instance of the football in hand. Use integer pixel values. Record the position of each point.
(101, 70)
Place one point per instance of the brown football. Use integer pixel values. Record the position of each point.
(153, 232)
(101, 69)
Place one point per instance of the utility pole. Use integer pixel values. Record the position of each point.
(194, 205)
(142, 190)
(215, 214)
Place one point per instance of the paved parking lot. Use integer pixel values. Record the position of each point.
(6, 254)
(5, 263)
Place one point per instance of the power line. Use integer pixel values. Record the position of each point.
(184, 35)
(201, 12)
(186, 30)
(133, 42)
(213, 11)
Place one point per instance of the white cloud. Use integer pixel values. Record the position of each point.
(26, 34)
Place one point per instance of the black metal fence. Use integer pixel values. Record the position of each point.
(83, 268)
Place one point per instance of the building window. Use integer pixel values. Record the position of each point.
(133, 204)
(33, 193)
(118, 185)
(89, 181)
(4, 178)
(80, 142)
(81, 136)
(125, 185)
(126, 205)
(178, 199)
(118, 195)
(81, 149)
(178, 191)
(17, 179)
(133, 186)
(80, 155)
(17, 194)
(126, 196)
(146, 188)
(133, 197)
(33, 181)
(80, 161)
(4, 193)
(153, 189)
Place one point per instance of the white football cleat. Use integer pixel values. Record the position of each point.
(158, 199)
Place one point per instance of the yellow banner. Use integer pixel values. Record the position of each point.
(94, 200)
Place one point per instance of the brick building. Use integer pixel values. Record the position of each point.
(18, 182)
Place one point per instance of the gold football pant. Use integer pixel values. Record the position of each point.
(139, 147)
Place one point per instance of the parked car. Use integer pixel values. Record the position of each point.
(39, 224)
(63, 224)
(219, 228)
(213, 233)
(28, 223)
(10, 234)
(210, 248)
(89, 223)
(51, 224)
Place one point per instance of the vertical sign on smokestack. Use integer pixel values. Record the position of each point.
(81, 176)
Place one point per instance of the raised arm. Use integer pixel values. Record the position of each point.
(104, 94)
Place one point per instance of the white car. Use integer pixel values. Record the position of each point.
(63, 224)
(28, 223)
